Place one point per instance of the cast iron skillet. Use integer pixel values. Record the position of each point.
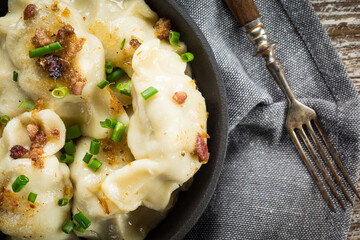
(191, 204)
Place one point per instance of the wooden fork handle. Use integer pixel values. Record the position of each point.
(245, 11)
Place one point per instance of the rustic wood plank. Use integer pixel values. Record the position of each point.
(341, 19)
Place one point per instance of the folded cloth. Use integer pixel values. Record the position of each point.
(265, 191)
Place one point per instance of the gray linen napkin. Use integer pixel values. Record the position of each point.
(265, 190)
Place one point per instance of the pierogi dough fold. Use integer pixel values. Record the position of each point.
(48, 178)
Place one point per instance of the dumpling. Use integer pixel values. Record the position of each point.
(28, 147)
(83, 60)
(131, 20)
(107, 220)
(167, 138)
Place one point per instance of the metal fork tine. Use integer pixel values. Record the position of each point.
(327, 161)
(311, 169)
(319, 164)
(334, 155)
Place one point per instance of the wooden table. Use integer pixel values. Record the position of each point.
(341, 19)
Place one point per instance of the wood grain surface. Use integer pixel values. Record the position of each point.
(341, 19)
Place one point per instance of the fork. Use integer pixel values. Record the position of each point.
(301, 120)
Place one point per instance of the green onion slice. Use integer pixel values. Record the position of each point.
(15, 76)
(80, 229)
(4, 119)
(94, 146)
(63, 202)
(82, 220)
(122, 44)
(37, 52)
(109, 67)
(95, 164)
(108, 123)
(118, 132)
(149, 92)
(73, 132)
(174, 38)
(67, 158)
(32, 197)
(19, 183)
(103, 84)
(87, 157)
(187, 57)
(68, 227)
(27, 104)
(69, 147)
(124, 88)
(60, 92)
(115, 75)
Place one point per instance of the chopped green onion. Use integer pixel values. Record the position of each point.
(32, 197)
(15, 76)
(87, 157)
(68, 227)
(109, 67)
(69, 147)
(27, 104)
(67, 158)
(174, 38)
(94, 146)
(108, 123)
(149, 92)
(115, 75)
(126, 92)
(118, 132)
(103, 84)
(73, 132)
(124, 88)
(82, 220)
(37, 52)
(19, 183)
(60, 92)
(187, 57)
(80, 229)
(122, 44)
(4, 119)
(95, 164)
(63, 202)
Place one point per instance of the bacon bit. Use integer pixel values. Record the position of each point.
(135, 43)
(84, 18)
(32, 205)
(162, 28)
(54, 7)
(179, 97)
(64, 33)
(183, 154)
(18, 151)
(41, 38)
(29, 11)
(66, 13)
(36, 159)
(39, 105)
(51, 64)
(33, 130)
(55, 133)
(202, 149)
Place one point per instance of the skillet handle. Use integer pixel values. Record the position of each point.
(245, 11)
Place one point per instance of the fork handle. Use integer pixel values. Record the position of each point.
(245, 11)
(247, 15)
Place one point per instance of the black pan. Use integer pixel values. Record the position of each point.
(191, 204)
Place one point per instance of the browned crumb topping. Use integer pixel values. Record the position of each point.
(179, 97)
(135, 43)
(162, 28)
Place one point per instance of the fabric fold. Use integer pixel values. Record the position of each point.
(265, 191)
